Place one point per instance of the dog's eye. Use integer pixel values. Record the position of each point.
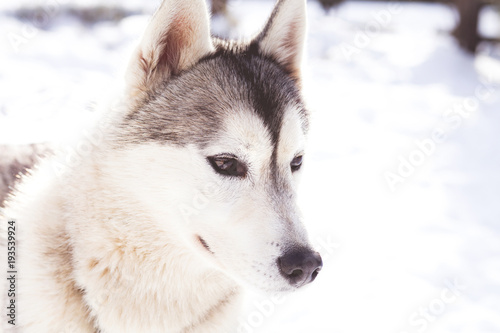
(228, 166)
(296, 163)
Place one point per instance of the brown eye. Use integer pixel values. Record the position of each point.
(296, 163)
(228, 166)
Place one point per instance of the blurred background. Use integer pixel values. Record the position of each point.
(401, 191)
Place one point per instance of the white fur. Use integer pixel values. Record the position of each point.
(113, 242)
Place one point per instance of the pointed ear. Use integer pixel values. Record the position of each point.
(175, 39)
(284, 35)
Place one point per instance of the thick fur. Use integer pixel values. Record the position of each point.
(143, 235)
(15, 160)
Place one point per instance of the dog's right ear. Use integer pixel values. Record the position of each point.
(175, 39)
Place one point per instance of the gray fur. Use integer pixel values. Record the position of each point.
(189, 107)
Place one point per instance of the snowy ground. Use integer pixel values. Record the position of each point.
(402, 188)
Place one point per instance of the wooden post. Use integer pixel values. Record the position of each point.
(467, 30)
(329, 4)
(219, 7)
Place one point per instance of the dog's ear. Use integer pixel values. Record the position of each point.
(283, 36)
(175, 39)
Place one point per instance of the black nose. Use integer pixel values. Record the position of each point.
(300, 266)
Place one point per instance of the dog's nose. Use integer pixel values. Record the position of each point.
(300, 266)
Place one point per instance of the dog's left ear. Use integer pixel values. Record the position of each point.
(284, 34)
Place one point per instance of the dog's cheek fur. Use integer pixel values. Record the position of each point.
(146, 225)
(203, 204)
(250, 254)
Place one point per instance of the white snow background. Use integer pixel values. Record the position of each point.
(392, 95)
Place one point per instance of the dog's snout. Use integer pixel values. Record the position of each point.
(300, 266)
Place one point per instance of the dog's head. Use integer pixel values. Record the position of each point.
(218, 131)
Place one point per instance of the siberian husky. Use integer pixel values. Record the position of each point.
(185, 196)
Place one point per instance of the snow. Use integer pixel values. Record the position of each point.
(391, 95)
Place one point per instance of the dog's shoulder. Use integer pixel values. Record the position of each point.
(15, 161)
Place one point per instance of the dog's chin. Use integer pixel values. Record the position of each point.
(270, 287)
(280, 291)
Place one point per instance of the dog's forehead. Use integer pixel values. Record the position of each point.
(244, 131)
(266, 88)
(264, 101)
(249, 96)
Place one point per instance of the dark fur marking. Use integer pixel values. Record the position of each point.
(204, 244)
(191, 106)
